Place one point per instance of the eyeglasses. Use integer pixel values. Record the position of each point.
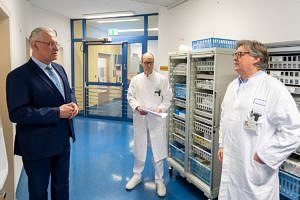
(148, 63)
(240, 54)
(50, 44)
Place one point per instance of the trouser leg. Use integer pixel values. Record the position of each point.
(159, 170)
(138, 167)
(38, 173)
(60, 177)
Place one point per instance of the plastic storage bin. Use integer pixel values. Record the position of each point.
(204, 84)
(180, 90)
(204, 101)
(289, 185)
(177, 154)
(180, 112)
(200, 170)
(179, 126)
(179, 102)
(203, 142)
(203, 130)
(213, 42)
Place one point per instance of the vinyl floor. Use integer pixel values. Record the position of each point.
(101, 164)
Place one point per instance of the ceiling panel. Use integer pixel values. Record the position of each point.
(165, 3)
(76, 8)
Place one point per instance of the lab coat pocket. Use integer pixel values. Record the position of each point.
(261, 173)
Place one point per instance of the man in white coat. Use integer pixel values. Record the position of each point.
(259, 128)
(149, 90)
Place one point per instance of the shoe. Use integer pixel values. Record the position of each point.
(161, 189)
(134, 181)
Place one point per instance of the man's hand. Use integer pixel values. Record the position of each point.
(257, 159)
(68, 111)
(75, 109)
(140, 111)
(158, 110)
(220, 153)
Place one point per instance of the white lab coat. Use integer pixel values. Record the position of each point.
(141, 92)
(276, 137)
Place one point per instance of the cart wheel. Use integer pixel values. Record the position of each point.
(173, 173)
(170, 170)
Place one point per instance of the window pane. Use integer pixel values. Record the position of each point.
(134, 59)
(126, 26)
(77, 28)
(153, 25)
(105, 63)
(153, 48)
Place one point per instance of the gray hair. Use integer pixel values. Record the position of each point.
(35, 34)
(149, 53)
(258, 50)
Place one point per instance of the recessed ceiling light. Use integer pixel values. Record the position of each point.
(117, 20)
(136, 30)
(108, 14)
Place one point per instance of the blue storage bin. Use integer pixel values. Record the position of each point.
(180, 90)
(289, 185)
(177, 154)
(180, 112)
(200, 170)
(213, 42)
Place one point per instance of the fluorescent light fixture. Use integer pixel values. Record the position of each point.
(117, 20)
(108, 14)
(137, 30)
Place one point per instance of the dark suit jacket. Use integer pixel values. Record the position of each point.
(33, 104)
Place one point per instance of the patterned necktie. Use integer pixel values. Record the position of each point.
(55, 80)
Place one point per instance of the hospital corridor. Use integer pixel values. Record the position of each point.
(149, 100)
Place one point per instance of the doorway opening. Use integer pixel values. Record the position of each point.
(5, 66)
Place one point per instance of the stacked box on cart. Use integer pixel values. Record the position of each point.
(289, 185)
(291, 165)
(213, 42)
(180, 90)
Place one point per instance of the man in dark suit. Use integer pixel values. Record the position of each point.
(42, 104)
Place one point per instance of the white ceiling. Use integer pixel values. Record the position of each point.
(75, 8)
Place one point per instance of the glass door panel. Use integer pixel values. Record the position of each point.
(104, 100)
(104, 80)
(78, 75)
(134, 67)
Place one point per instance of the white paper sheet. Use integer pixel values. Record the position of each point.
(162, 115)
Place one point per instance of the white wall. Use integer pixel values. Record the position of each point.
(18, 11)
(263, 20)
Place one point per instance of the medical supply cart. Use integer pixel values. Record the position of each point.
(177, 130)
(284, 64)
(195, 114)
